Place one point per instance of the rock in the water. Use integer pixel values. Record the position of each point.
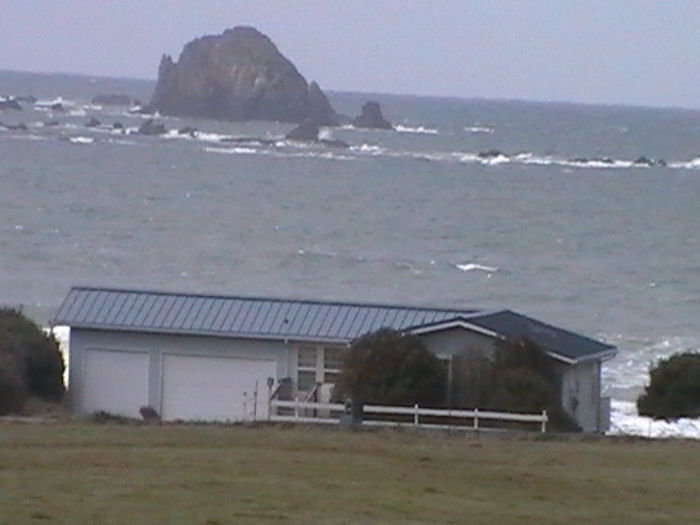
(14, 127)
(307, 131)
(188, 130)
(491, 154)
(10, 103)
(27, 99)
(56, 107)
(111, 99)
(646, 161)
(117, 125)
(151, 128)
(239, 75)
(92, 123)
(371, 117)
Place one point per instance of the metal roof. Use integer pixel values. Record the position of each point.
(291, 319)
(233, 316)
(571, 346)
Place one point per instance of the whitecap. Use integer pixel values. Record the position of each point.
(80, 112)
(470, 266)
(232, 151)
(690, 165)
(369, 148)
(478, 129)
(211, 137)
(81, 140)
(418, 129)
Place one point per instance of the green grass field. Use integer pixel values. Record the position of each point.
(129, 474)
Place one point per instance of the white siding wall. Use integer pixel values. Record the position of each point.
(158, 345)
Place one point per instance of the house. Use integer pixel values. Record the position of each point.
(216, 357)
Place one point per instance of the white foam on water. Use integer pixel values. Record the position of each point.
(211, 137)
(421, 130)
(624, 420)
(478, 129)
(231, 151)
(372, 149)
(471, 266)
(80, 112)
(81, 140)
(27, 137)
(690, 165)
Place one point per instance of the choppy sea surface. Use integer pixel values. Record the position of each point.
(586, 217)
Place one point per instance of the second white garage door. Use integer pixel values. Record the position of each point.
(215, 388)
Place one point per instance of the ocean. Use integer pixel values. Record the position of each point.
(585, 217)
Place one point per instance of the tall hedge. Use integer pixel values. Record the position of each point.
(388, 367)
(30, 362)
(674, 388)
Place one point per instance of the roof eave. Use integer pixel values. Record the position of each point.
(285, 338)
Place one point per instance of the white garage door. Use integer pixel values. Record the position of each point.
(215, 388)
(115, 382)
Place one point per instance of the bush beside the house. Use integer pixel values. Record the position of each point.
(387, 367)
(674, 388)
(30, 363)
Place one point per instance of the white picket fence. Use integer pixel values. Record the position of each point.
(312, 412)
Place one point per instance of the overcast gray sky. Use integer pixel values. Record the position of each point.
(642, 52)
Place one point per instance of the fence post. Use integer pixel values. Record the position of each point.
(296, 407)
(415, 414)
(476, 419)
(544, 421)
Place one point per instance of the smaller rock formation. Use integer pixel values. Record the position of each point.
(371, 117)
(26, 99)
(491, 154)
(92, 123)
(308, 131)
(117, 125)
(646, 161)
(111, 99)
(14, 127)
(188, 130)
(10, 103)
(151, 129)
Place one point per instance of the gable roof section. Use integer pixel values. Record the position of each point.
(570, 346)
(301, 320)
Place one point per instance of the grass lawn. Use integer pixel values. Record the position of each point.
(77, 473)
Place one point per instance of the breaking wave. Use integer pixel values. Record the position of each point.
(81, 140)
(478, 129)
(421, 130)
(624, 420)
(470, 267)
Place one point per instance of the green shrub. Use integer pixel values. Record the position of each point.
(29, 358)
(387, 367)
(12, 393)
(523, 381)
(674, 389)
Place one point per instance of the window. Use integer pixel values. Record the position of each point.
(332, 359)
(317, 364)
(306, 380)
(307, 357)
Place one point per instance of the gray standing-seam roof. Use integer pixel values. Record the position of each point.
(292, 319)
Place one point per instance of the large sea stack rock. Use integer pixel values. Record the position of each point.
(371, 117)
(239, 75)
